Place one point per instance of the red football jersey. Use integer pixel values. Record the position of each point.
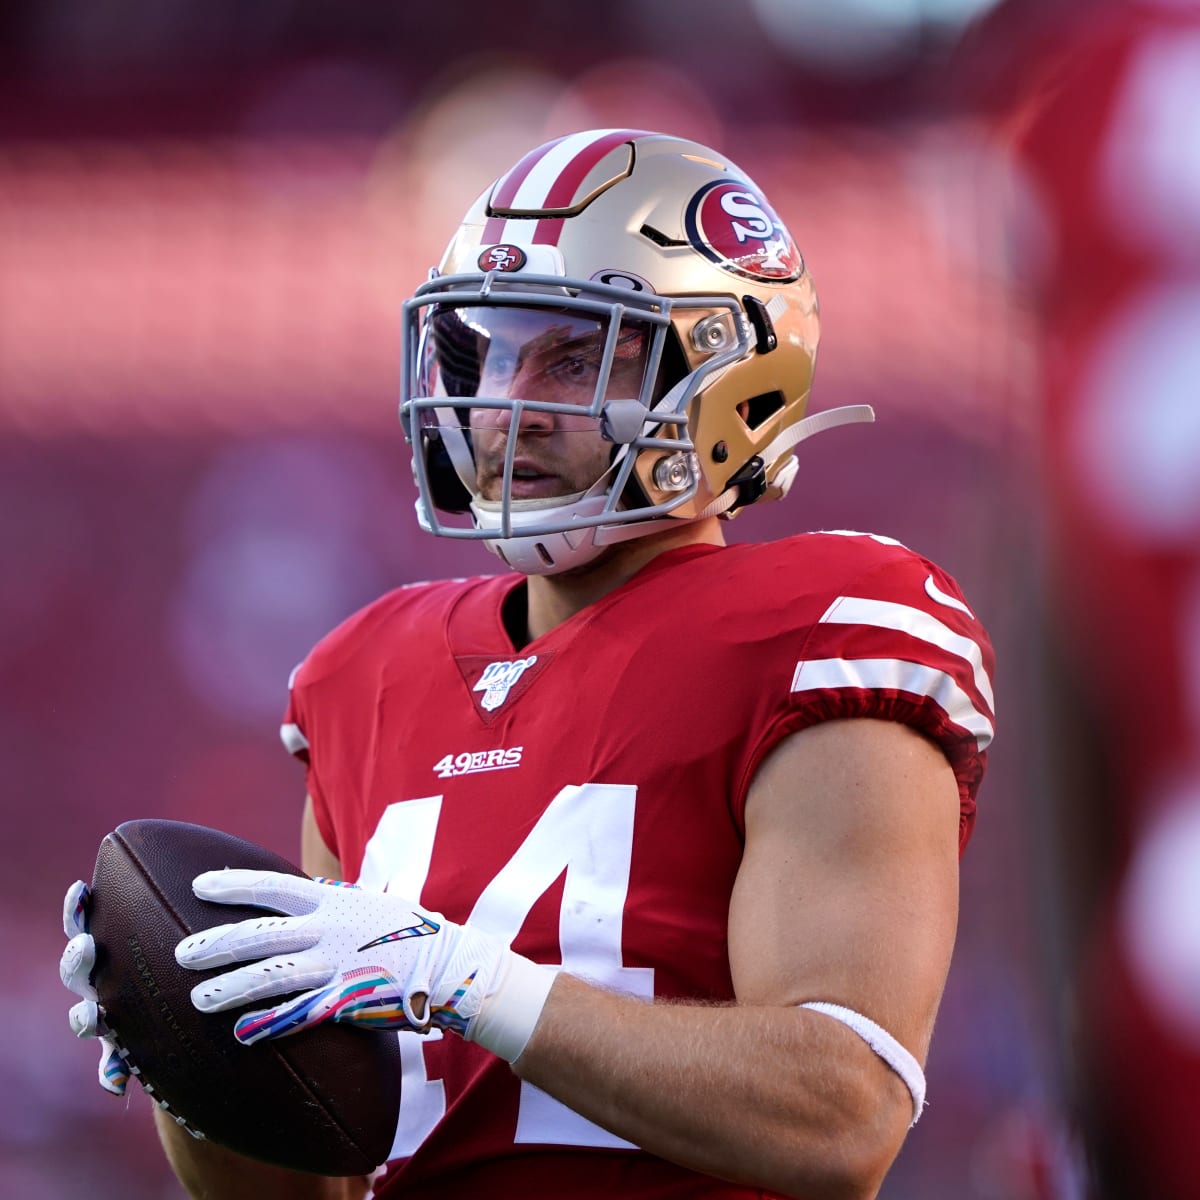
(583, 795)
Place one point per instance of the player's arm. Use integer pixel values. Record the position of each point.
(848, 894)
(210, 1172)
(315, 856)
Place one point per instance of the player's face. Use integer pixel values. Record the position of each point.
(550, 357)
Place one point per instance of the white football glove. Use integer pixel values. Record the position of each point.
(75, 969)
(369, 958)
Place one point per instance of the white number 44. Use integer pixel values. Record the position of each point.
(586, 831)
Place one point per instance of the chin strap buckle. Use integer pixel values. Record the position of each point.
(750, 483)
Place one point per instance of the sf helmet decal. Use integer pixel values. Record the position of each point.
(731, 224)
(502, 258)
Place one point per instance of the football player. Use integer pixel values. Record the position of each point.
(654, 841)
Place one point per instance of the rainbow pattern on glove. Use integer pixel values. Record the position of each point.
(115, 1072)
(366, 996)
(447, 1016)
(423, 928)
(380, 1012)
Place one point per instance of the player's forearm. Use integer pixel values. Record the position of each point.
(210, 1172)
(778, 1098)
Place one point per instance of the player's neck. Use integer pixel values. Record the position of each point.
(553, 599)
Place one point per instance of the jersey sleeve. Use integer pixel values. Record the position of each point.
(293, 733)
(334, 700)
(899, 642)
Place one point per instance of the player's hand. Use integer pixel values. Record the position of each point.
(75, 969)
(361, 957)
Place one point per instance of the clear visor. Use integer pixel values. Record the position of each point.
(522, 395)
(538, 355)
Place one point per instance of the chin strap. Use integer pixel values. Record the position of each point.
(792, 436)
(849, 414)
(607, 535)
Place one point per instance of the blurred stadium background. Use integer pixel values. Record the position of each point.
(209, 216)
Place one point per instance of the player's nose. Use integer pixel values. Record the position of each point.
(527, 420)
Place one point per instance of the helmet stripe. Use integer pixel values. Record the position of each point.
(562, 191)
(548, 231)
(506, 189)
(548, 178)
(538, 183)
(551, 181)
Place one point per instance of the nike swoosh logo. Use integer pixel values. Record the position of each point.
(423, 928)
(935, 593)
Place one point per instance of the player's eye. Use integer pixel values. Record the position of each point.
(500, 364)
(576, 369)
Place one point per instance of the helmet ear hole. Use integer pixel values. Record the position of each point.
(757, 410)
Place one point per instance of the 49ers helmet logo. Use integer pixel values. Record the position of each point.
(731, 224)
(502, 258)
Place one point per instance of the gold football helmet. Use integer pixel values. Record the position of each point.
(631, 304)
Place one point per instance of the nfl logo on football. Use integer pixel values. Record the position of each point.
(499, 678)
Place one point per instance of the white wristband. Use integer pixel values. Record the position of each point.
(885, 1046)
(508, 1014)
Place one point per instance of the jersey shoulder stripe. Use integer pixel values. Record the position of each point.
(898, 624)
(917, 623)
(895, 674)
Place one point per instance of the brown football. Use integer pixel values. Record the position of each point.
(325, 1100)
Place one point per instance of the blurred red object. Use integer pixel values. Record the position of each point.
(1108, 139)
